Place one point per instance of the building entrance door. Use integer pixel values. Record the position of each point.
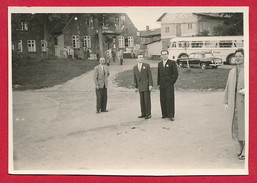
(178, 30)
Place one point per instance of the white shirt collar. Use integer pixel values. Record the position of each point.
(164, 62)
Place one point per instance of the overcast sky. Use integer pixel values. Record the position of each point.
(144, 17)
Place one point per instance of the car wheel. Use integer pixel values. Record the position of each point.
(203, 66)
(231, 60)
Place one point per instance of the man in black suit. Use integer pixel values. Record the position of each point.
(143, 83)
(166, 78)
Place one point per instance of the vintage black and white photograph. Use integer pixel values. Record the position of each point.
(128, 90)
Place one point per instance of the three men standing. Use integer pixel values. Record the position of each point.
(143, 84)
(166, 78)
(101, 74)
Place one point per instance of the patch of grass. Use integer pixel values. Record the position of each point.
(36, 74)
(195, 79)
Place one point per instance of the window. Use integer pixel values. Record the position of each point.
(225, 44)
(239, 43)
(189, 26)
(167, 29)
(173, 44)
(196, 44)
(24, 26)
(130, 41)
(183, 44)
(75, 41)
(87, 41)
(192, 56)
(121, 42)
(20, 48)
(43, 45)
(105, 23)
(89, 21)
(117, 21)
(31, 46)
(208, 55)
(210, 44)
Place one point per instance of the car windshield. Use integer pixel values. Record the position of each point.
(192, 56)
(208, 55)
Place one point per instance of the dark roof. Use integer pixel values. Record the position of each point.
(214, 15)
(153, 41)
(150, 32)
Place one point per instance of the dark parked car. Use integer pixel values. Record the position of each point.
(200, 59)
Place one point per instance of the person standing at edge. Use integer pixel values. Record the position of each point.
(120, 56)
(143, 84)
(234, 101)
(101, 74)
(166, 78)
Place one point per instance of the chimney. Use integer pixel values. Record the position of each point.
(147, 27)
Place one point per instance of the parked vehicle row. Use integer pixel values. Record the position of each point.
(203, 60)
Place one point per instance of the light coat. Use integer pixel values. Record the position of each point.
(101, 76)
(229, 99)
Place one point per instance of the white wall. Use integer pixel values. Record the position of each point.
(154, 49)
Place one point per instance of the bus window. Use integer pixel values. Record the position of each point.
(183, 44)
(239, 43)
(210, 44)
(197, 44)
(226, 44)
(173, 44)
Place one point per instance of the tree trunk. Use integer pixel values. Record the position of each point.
(100, 38)
(46, 38)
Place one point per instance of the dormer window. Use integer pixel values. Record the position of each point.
(89, 21)
(24, 26)
(117, 21)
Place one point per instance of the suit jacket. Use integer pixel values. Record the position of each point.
(101, 76)
(168, 75)
(143, 79)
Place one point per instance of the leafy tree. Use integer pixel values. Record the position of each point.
(233, 25)
(45, 22)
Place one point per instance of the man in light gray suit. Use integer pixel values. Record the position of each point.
(101, 74)
(143, 83)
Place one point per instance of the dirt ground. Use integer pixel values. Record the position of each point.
(57, 130)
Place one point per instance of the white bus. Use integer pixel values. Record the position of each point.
(221, 46)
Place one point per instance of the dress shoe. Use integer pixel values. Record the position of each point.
(148, 117)
(142, 116)
(105, 111)
(97, 112)
(163, 117)
(172, 119)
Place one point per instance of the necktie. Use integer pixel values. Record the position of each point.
(103, 70)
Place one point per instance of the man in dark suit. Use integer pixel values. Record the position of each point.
(101, 74)
(143, 84)
(166, 78)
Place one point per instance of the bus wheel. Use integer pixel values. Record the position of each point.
(203, 66)
(231, 60)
